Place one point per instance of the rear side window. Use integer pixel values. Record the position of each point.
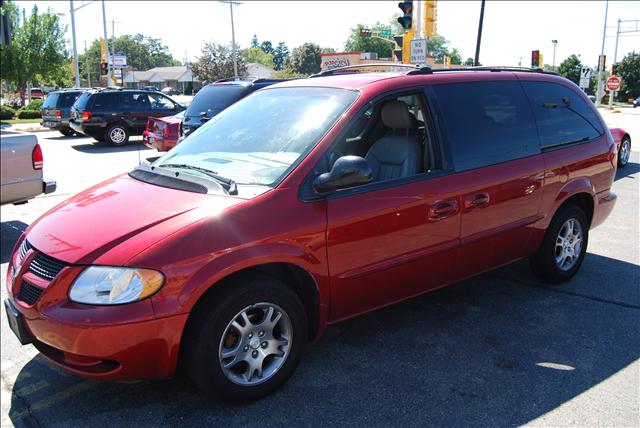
(81, 102)
(485, 123)
(214, 98)
(66, 99)
(106, 101)
(134, 101)
(51, 100)
(563, 116)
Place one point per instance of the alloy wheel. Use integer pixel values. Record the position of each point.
(568, 244)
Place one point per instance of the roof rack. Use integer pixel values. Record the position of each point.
(429, 70)
(249, 79)
(347, 68)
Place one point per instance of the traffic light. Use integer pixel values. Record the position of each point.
(614, 69)
(535, 59)
(397, 53)
(103, 69)
(602, 63)
(403, 52)
(407, 14)
(430, 17)
(365, 32)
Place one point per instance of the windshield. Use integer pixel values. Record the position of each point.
(259, 139)
(214, 98)
(51, 100)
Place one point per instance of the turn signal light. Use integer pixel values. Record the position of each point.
(58, 114)
(86, 116)
(36, 157)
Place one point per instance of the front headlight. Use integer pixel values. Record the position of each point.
(106, 285)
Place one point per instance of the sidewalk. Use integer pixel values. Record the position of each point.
(24, 127)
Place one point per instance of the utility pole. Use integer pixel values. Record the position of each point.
(88, 66)
(233, 38)
(106, 45)
(113, 41)
(75, 49)
(615, 58)
(600, 90)
(476, 61)
(555, 42)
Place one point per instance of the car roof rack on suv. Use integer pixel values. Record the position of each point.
(429, 70)
(347, 68)
(249, 79)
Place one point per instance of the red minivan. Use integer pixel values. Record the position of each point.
(307, 203)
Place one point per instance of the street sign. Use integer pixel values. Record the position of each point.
(118, 60)
(418, 51)
(585, 77)
(613, 83)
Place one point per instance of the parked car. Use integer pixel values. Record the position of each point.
(217, 96)
(623, 144)
(162, 133)
(170, 91)
(305, 204)
(36, 93)
(56, 110)
(21, 164)
(151, 88)
(113, 115)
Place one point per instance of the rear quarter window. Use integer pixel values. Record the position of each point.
(106, 101)
(81, 102)
(485, 123)
(563, 116)
(66, 99)
(51, 100)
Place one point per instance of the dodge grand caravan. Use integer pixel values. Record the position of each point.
(342, 194)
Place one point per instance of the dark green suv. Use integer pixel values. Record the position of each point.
(56, 110)
(113, 115)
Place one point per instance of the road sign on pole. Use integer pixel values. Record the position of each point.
(613, 83)
(585, 77)
(418, 51)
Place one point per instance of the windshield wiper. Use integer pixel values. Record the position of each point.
(228, 184)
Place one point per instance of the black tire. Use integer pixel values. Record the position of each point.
(67, 132)
(623, 157)
(543, 263)
(207, 325)
(117, 134)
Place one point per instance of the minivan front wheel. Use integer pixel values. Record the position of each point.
(564, 246)
(245, 342)
(117, 135)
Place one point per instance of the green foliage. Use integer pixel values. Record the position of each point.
(34, 105)
(570, 68)
(28, 114)
(305, 59)
(469, 61)
(456, 56)
(254, 42)
(37, 52)
(280, 55)
(216, 62)
(6, 112)
(629, 71)
(266, 46)
(356, 42)
(257, 55)
(143, 53)
(288, 73)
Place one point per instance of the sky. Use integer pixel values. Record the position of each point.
(512, 29)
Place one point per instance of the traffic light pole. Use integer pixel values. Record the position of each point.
(76, 68)
(476, 60)
(106, 44)
(615, 58)
(600, 90)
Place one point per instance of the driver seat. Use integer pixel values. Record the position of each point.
(399, 154)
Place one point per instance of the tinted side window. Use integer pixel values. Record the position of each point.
(68, 98)
(51, 100)
(134, 101)
(563, 116)
(485, 122)
(108, 101)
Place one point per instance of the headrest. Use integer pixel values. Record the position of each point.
(395, 115)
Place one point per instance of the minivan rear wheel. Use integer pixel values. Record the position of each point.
(245, 342)
(117, 135)
(625, 152)
(564, 246)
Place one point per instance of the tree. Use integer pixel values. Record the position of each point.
(216, 62)
(37, 52)
(570, 68)
(257, 55)
(305, 59)
(143, 53)
(469, 61)
(629, 71)
(254, 42)
(456, 56)
(280, 55)
(266, 46)
(358, 42)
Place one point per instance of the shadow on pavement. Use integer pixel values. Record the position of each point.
(98, 148)
(10, 231)
(489, 351)
(630, 169)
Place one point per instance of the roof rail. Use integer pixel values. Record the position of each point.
(249, 79)
(347, 68)
(428, 70)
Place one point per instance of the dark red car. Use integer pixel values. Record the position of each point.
(162, 133)
(302, 205)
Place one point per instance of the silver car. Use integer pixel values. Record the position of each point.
(21, 169)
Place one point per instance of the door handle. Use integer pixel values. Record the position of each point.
(443, 209)
(477, 200)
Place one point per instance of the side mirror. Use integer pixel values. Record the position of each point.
(203, 116)
(347, 171)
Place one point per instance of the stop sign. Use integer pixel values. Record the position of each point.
(613, 83)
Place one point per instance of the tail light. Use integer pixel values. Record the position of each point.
(58, 114)
(86, 116)
(613, 155)
(36, 157)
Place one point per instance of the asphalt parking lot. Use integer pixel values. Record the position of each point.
(500, 349)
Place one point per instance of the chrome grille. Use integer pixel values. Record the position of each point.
(22, 251)
(29, 293)
(45, 266)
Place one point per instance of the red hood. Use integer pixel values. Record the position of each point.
(100, 224)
